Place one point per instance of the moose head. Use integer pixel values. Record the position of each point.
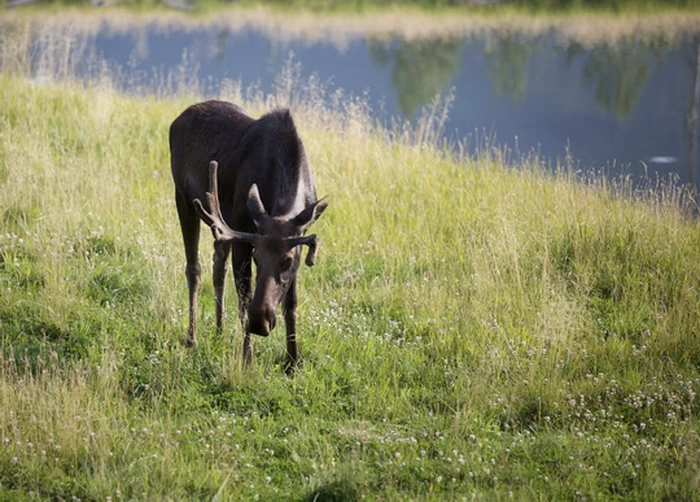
(276, 248)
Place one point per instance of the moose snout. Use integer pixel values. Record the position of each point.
(261, 321)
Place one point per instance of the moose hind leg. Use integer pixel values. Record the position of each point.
(221, 254)
(189, 223)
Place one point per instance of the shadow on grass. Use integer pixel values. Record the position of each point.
(336, 491)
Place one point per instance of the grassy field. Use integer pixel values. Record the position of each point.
(472, 329)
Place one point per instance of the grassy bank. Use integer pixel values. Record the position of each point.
(470, 330)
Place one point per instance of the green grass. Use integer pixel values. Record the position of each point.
(471, 329)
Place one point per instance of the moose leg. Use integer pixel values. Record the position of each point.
(222, 250)
(189, 223)
(289, 308)
(242, 272)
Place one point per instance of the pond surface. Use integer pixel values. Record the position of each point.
(627, 107)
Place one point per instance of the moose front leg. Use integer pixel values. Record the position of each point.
(222, 250)
(193, 273)
(242, 272)
(289, 308)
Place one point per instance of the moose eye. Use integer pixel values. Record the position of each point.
(286, 263)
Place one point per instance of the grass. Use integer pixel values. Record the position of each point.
(474, 328)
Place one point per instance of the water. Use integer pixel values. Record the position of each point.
(626, 107)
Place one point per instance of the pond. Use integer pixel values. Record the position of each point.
(624, 104)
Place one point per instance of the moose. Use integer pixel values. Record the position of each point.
(257, 183)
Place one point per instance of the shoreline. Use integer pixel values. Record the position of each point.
(587, 29)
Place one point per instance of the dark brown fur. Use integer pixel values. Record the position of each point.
(266, 201)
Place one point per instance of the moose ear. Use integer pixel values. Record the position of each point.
(255, 205)
(310, 214)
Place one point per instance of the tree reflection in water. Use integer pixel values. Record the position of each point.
(507, 59)
(619, 73)
(419, 69)
(616, 73)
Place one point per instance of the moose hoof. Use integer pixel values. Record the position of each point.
(290, 367)
(190, 342)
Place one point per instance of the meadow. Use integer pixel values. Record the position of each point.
(479, 325)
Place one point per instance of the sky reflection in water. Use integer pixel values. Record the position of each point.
(617, 106)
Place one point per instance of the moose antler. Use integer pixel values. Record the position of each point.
(309, 240)
(221, 231)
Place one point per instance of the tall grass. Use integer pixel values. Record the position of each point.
(475, 327)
